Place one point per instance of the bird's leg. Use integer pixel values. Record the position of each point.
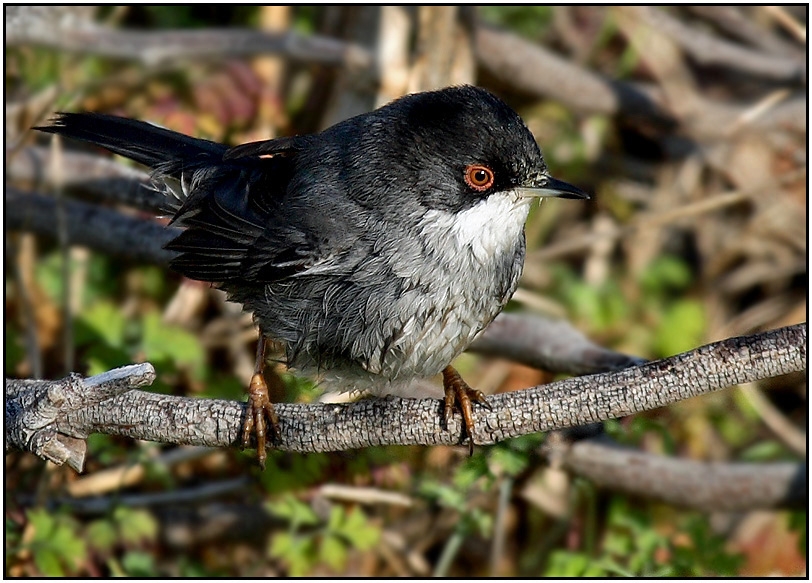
(457, 392)
(259, 407)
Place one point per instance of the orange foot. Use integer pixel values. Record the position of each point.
(460, 396)
(259, 408)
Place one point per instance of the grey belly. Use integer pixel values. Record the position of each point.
(365, 331)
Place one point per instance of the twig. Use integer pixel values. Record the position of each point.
(103, 504)
(734, 22)
(396, 543)
(101, 177)
(33, 408)
(644, 221)
(330, 427)
(131, 474)
(549, 344)
(365, 495)
(709, 486)
(90, 225)
(29, 316)
(759, 109)
(57, 164)
(499, 525)
(711, 50)
(25, 26)
(450, 550)
(786, 20)
(792, 437)
(533, 69)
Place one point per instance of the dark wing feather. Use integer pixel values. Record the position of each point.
(231, 201)
(276, 147)
(237, 226)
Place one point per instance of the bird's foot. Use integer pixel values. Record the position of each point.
(460, 396)
(259, 408)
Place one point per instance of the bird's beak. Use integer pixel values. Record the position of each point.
(549, 187)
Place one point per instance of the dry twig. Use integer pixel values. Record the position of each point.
(311, 428)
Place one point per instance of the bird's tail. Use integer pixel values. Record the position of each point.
(148, 144)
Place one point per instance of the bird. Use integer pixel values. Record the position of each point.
(374, 251)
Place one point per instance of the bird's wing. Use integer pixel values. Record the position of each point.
(232, 201)
(277, 147)
(239, 225)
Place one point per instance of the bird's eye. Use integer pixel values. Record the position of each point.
(479, 177)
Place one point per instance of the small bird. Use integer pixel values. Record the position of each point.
(374, 251)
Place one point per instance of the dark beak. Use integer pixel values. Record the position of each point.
(549, 187)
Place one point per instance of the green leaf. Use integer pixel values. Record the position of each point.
(71, 548)
(477, 522)
(102, 322)
(291, 472)
(333, 552)
(41, 522)
(680, 329)
(570, 564)
(56, 544)
(443, 494)
(296, 512)
(138, 564)
(102, 357)
(101, 535)
(14, 350)
(768, 450)
(666, 273)
(135, 526)
(335, 521)
(529, 21)
(296, 551)
(471, 470)
(358, 531)
(505, 461)
(799, 524)
(160, 341)
(48, 273)
(48, 563)
(281, 545)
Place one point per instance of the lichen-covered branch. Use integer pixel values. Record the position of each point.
(567, 403)
(34, 409)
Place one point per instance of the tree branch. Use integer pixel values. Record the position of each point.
(549, 344)
(33, 408)
(708, 486)
(369, 422)
(90, 225)
(101, 177)
(710, 50)
(531, 68)
(27, 25)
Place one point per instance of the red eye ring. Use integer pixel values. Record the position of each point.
(479, 177)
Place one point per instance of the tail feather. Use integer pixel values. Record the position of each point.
(230, 208)
(143, 142)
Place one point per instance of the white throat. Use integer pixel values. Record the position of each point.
(487, 229)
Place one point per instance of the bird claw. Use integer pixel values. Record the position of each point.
(458, 395)
(259, 408)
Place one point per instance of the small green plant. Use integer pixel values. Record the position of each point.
(635, 545)
(311, 541)
(56, 545)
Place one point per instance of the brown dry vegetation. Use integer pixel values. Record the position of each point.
(689, 126)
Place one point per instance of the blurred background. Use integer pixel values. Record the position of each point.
(689, 126)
